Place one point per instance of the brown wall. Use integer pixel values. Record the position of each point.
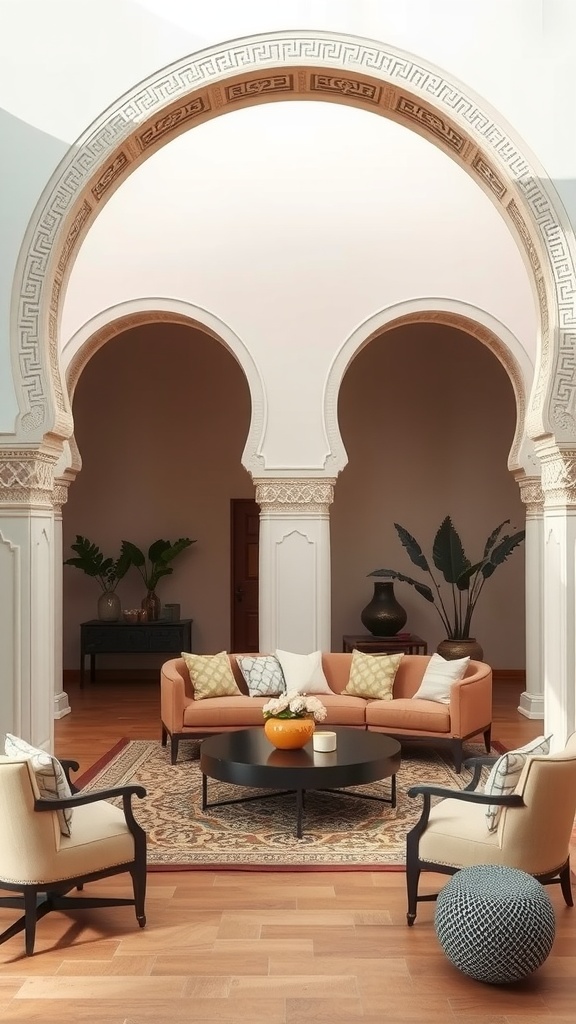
(161, 415)
(427, 416)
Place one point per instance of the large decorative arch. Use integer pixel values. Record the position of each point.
(137, 312)
(464, 316)
(288, 66)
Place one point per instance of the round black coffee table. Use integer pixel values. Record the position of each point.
(246, 758)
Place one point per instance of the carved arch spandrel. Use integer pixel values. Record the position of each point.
(275, 67)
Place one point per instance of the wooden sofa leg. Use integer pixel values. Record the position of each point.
(173, 749)
(566, 885)
(457, 753)
(164, 735)
(488, 739)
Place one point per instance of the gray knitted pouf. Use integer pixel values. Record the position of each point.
(495, 924)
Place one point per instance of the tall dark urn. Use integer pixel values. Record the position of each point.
(383, 615)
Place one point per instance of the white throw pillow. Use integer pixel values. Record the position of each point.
(49, 773)
(438, 678)
(303, 673)
(505, 773)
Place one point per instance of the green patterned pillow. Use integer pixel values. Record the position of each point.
(49, 773)
(372, 675)
(211, 675)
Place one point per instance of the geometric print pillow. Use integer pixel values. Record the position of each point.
(372, 675)
(505, 773)
(263, 675)
(49, 773)
(211, 675)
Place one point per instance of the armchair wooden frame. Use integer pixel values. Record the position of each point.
(415, 865)
(39, 899)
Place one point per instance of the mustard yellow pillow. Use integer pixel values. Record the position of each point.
(211, 675)
(372, 675)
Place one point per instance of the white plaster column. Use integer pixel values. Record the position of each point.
(559, 549)
(532, 699)
(27, 595)
(294, 605)
(61, 703)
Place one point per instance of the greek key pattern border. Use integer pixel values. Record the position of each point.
(154, 110)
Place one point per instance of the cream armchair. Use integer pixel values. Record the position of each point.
(533, 831)
(42, 865)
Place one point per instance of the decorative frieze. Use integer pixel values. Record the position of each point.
(26, 477)
(559, 477)
(532, 495)
(278, 64)
(295, 495)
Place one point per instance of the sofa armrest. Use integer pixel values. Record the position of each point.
(173, 698)
(471, 702)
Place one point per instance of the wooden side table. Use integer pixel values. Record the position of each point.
(161, 637)
(407, 643)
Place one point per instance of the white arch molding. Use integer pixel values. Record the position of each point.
(288, 66)
(464, 316)
(137, 312)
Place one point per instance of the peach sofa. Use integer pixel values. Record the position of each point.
(468, 714)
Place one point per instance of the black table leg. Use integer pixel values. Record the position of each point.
(92, 668)
(204, 792)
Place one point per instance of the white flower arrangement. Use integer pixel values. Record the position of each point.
(295, 705)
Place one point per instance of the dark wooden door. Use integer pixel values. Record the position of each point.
(245, 516)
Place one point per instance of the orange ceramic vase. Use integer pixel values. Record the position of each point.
(289, 733)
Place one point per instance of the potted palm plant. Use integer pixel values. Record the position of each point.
(106, 571)
(466, 579)
(153, 566)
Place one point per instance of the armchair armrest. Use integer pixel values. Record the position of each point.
(70, 766)
(80, 799)
(427, 792)
(476, 764)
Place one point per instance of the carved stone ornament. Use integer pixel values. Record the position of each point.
(531, 494)
(26, 477)
(289, 65)
(559, 477)
(293, 495)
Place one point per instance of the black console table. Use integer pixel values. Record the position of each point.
(408, 643)
(161, 637)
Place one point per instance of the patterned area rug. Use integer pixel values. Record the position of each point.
(339, 832)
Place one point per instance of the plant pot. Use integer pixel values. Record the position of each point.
(151, 605)
(289, 733)
(451, 649)
(109, 606)
(383, 616)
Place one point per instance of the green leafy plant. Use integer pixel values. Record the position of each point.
(466, 579)
(107, 571)
(155, 565)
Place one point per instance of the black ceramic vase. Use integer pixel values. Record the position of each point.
(383, 616)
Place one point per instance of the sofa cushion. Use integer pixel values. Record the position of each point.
(211, 675)
(303, 673)
(216, 713)
(49, 774)
(506, 772)
(263, 674)
(372, 675)
(438, 678)
(404, 714)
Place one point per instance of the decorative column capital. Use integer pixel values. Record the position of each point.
(26, 477)
(558, 477)
(60, 495)
(532, 495)
(295, 495)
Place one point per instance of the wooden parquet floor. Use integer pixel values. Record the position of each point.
(254, 947)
